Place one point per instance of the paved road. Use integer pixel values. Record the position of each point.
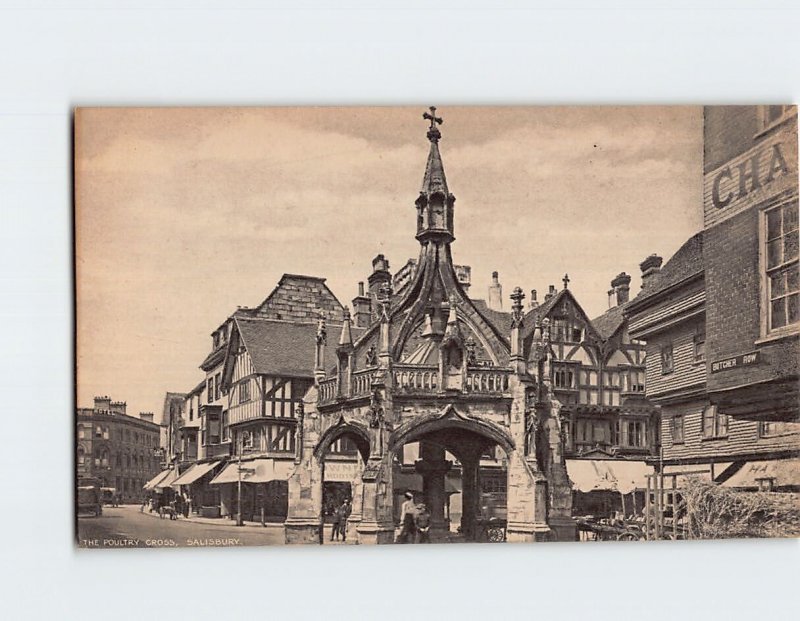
(126, 527)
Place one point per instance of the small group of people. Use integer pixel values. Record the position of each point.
(165, 504)
(415, 521)
(340, 515)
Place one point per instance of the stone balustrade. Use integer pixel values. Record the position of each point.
(361, 382)
(416, 378)
(328, 390)
(419, 379)
(487, 380)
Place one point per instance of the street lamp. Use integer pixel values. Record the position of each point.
(240, 470)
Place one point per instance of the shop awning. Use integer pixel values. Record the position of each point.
(167, 480)
(194, 473)
(589, 475)
(156, 479)
(412, 482)
(253, 471)
(778, 472)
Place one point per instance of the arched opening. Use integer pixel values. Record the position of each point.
(342, 453)
(456, 472)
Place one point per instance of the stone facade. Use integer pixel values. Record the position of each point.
(118, 450)
(413, 376)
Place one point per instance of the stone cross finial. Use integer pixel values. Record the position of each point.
(433, 132)
(565, 280)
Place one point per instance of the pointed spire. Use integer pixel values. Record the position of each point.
(346, 339)
(435, 203)
(452, 332)
(434, 179)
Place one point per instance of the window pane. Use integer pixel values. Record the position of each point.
(790, 246)
(792, 277)
(792, 312)
(773, 253)
(778, 313)
(790, 218)
(774, 224)
(777, 283)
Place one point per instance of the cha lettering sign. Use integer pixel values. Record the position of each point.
(760, 173)
(735, 362)
(757, 171)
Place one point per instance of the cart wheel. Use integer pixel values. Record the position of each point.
(495, 534)
(628, 537)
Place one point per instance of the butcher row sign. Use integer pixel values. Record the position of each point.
(735, 362)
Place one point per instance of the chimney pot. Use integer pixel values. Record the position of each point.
(495, 301)
(650, 267)
(622, 286)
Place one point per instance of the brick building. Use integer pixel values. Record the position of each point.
(721, 318)
(119, 450)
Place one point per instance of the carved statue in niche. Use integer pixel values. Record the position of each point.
(371, 359)
(377, 421)
(470, 346)
(321, 329)
(384, 301)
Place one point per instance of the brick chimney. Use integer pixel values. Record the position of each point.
(102, 404)
(622, 287)
(534, 301)
(495, 300)
(118, 407)
(362, 308)
(650, 267)
(551, 291)
(148, 416)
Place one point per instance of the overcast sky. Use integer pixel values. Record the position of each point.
(185, 214)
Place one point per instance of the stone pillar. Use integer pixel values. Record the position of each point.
(357, 489)
(527, 484)
(433, 467)
(304, 519)
(560, 489)
(470, 495)
(527, 500)
(377, 524)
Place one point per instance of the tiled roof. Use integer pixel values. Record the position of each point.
(609, 322)
(286, 348)
(535, 314)
(500, 319)
(686, 262)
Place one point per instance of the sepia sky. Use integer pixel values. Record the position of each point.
(184, 214)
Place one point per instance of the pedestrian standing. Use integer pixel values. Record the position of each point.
(337, 523)
(346, 510)
(407, 512)
(422, 522)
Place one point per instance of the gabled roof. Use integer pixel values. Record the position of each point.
(540, 312)
(285, 348)
(500, 319)
(609, 322)
(686, 262)
(298, 297)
